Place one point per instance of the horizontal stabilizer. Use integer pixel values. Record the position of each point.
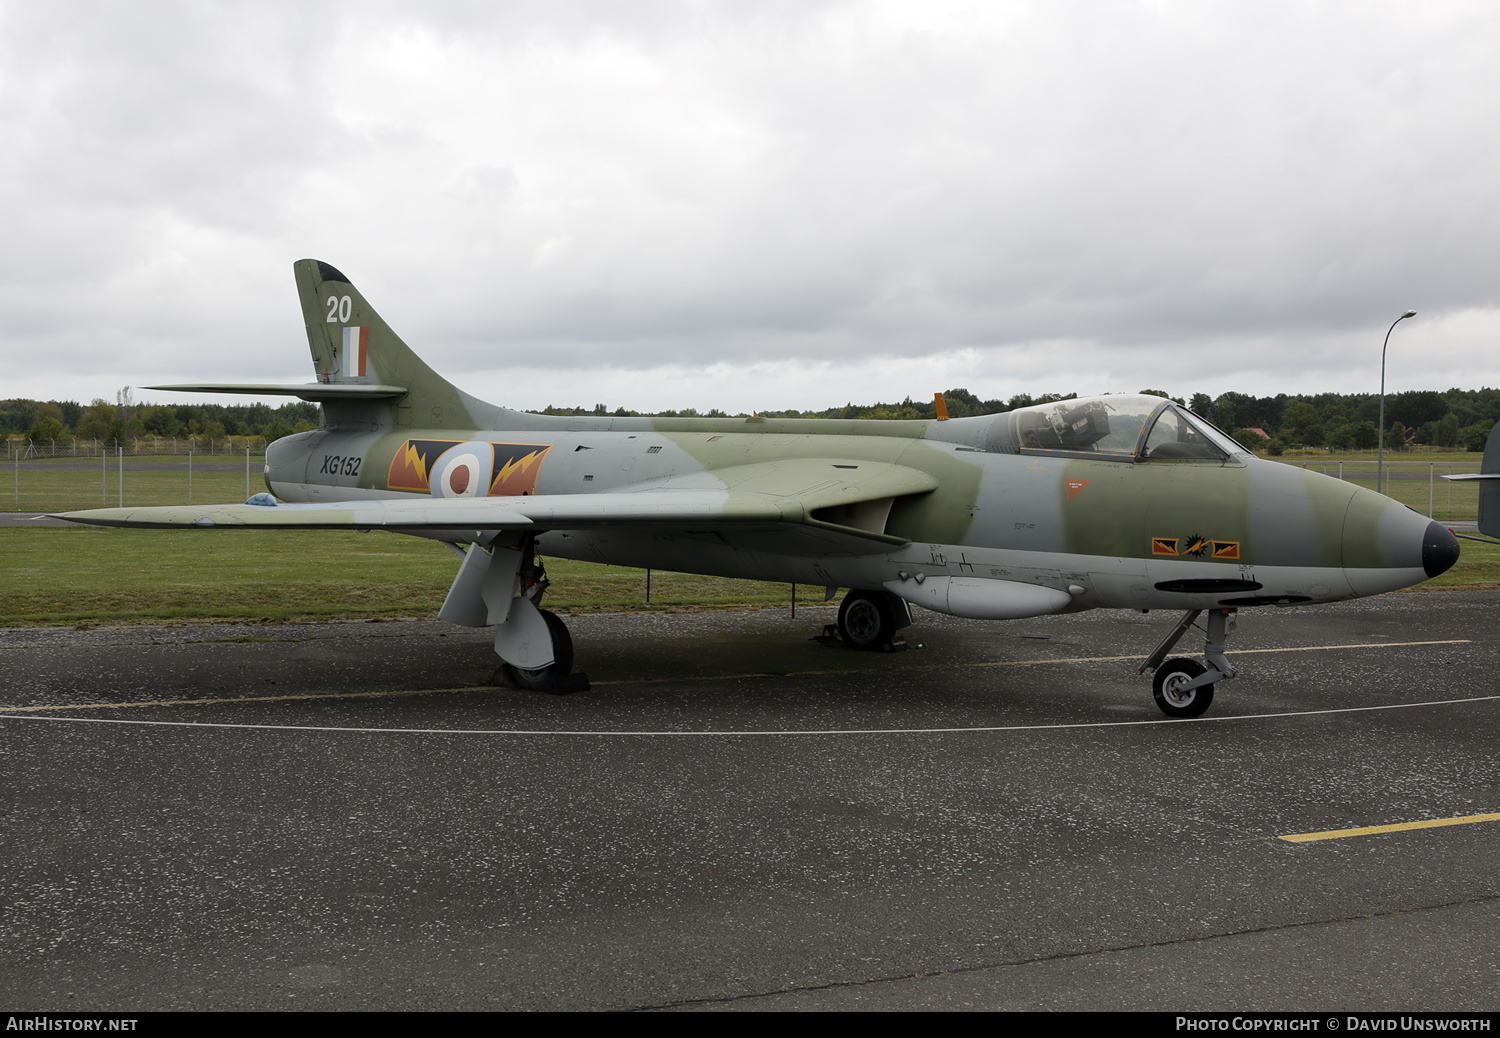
(314, 391)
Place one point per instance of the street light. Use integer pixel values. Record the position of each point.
(1380, 455)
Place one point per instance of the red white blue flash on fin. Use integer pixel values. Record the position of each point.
(356, 346)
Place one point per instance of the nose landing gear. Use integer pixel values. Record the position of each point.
(1183, 687)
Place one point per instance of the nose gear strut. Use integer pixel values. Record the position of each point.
(1183, 687)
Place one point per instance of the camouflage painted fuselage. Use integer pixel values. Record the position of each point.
(1113, 532)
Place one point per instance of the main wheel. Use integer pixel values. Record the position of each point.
(1167, 688)
(545, 679)
(865, 622)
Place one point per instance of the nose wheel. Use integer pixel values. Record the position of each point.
(1184, 687)
(1174, 689)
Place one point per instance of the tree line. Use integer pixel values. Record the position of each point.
(1457, 418)
(44, 421)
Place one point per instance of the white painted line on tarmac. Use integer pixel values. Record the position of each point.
(729, 733)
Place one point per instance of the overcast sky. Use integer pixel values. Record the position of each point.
(753, 205)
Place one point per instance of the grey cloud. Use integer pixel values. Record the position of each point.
(638, 186)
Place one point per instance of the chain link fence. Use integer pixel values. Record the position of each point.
(94, 474)
(19, 446)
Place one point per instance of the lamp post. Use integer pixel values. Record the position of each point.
(1380, 454)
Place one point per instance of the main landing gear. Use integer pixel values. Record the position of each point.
(503, 587)
(557, 677)
(1184, 687)
(870, 619)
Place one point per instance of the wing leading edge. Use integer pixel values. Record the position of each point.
(751, 501)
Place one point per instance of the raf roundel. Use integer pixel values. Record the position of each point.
(463, 471)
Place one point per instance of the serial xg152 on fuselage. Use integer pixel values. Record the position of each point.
(1123, 502)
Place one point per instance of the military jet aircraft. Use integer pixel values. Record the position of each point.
(1119, 502)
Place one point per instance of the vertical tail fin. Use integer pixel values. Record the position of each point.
(352, 345)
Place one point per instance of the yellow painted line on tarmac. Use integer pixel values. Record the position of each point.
(1356, 645)
(1372, 830)
(1236, 652)
(689, 677)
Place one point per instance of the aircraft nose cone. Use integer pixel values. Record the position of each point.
(1439, 549)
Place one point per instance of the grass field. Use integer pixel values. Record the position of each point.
(51, 575)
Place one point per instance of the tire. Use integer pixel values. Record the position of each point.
(865, 622)
(1173, 674)
(545, 679)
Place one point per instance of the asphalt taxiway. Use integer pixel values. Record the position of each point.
(346, 816)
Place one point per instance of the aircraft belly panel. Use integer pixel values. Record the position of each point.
(1378, 581)
(1119, 583)
(1190, 584)
(707, 555)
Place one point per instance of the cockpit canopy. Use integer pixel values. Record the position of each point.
(1144, 428)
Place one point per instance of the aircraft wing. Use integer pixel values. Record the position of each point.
(746, 495)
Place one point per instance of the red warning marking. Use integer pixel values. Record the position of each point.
(1074, 486)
